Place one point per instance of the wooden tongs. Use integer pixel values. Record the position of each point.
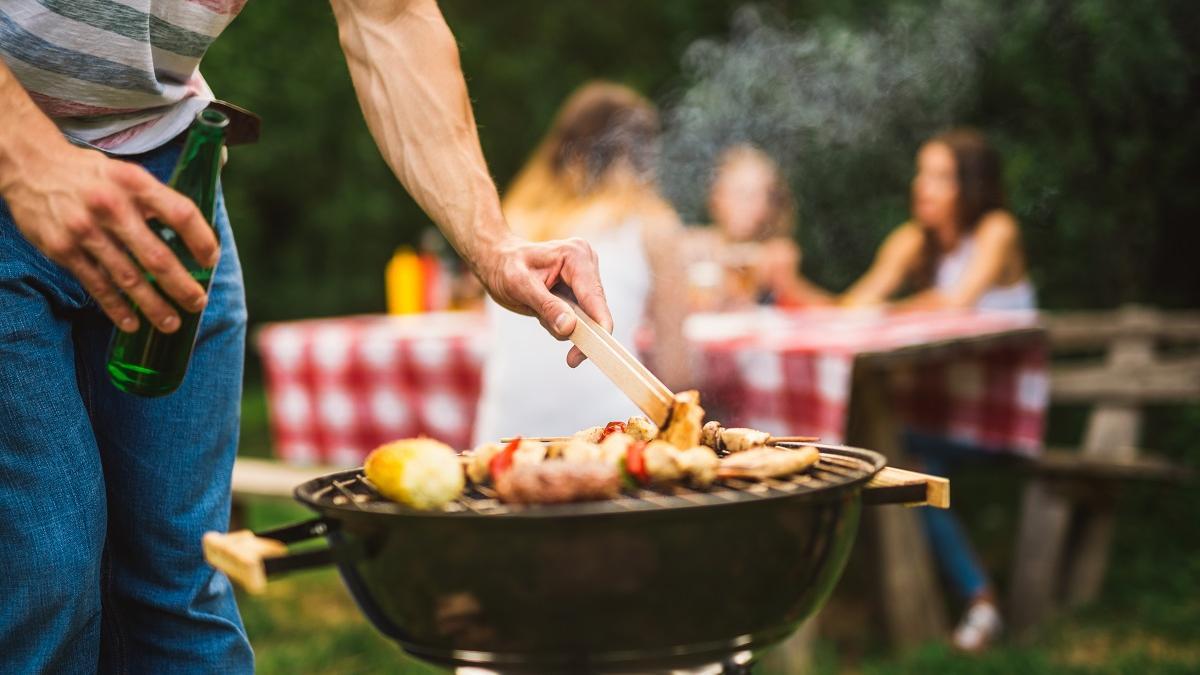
(618, 364)
(654, 398)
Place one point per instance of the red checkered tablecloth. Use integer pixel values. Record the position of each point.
(792, 372)
(336, 388)
(339, 387)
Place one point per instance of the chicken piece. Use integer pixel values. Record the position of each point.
(479, 461)
(699, 464)
(558, 482)
(768, 462)
(420, 472)
(554, 449)
(590, 434)
(612, 449)
(529, 452)
(479, 465)
(579, 451)
(683, 430)
(641, 428)
(741, 440)
(710, 435)
(662, 462)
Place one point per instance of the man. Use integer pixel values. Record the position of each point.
(104, 496)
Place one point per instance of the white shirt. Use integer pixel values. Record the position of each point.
(953, 266)
(528, 389)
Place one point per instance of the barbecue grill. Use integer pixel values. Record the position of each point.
(663, 578)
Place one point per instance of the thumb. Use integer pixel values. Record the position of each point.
(553, 312)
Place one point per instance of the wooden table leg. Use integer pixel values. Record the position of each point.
(912, 602)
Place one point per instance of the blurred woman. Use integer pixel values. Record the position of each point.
(748, 255)
(962, 247)
(592, 176)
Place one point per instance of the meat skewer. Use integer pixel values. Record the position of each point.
(771, 440)
(764, 463)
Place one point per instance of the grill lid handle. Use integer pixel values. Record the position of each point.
(248, 558)
(900, 486)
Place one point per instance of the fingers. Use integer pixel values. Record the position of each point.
(575, 357)
(119, 217)
(132, 281)
(176, 211)
(582, 273)
(98, 284)
(552, 311)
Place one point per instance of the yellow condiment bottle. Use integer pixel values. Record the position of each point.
(404, 283)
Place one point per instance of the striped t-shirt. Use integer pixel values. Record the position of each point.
(121, 75)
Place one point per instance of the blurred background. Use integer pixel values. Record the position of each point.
(1092, 104)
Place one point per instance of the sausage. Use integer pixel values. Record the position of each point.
(559, 482)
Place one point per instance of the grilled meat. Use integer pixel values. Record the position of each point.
(559, 482)
(641, 428)
(578, 450)
(699, 464)
(479, 462)
(710, 435)
(591, 434)
(740, 440)
(661, 461)
(683, 429)
(767, 462)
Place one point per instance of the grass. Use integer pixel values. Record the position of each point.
(1146, 622)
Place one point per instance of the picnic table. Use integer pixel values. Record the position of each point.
(339, 387)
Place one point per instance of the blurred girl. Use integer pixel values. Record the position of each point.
(748, 255)
(591, 177)
(962, 248)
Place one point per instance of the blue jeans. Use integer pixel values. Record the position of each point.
(104, 496)
(950, 544)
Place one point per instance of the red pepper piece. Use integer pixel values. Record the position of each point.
(503, 460)
(635, 461)
(612, 428)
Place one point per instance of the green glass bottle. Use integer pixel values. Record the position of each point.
(148, 362)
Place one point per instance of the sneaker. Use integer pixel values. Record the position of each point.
(979, 628)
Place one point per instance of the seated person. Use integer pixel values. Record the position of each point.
(962, 248)
(747, 256)
(592, 177)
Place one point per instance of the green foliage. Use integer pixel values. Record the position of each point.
(1092, 103)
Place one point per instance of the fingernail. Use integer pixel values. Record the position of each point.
(170, 323)
(563, 323)
(199, 303)
(128, 324)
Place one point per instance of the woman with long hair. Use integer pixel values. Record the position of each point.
(593, 177)
(962, 247)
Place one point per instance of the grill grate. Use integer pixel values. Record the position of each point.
(353, 490)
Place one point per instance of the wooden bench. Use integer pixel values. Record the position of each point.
(265, 478)
(1066, 526)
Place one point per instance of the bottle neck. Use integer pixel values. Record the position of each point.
(199, 164)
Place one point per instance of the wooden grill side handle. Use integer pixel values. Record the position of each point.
(241, 556)
(900, 486)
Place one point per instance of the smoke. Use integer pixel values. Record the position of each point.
(812, 95)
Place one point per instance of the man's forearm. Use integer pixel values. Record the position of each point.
(405, 67)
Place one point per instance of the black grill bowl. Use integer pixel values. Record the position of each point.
(573, 589)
